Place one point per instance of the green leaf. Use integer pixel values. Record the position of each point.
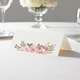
(23, 44)
(17, 47)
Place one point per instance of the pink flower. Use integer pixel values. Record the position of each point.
(45, 47)
(34, 47)
(41, 52)
(36, 50)
(29, 49)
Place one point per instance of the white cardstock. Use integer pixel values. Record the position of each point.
(39, 41)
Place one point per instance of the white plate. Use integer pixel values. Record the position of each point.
(74, 37)
(10, 34)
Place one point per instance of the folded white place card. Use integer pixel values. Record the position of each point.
(39, 41)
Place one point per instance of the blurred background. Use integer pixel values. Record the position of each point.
(66, 11)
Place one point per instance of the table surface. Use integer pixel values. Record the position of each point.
(15, 65)
(75, 53)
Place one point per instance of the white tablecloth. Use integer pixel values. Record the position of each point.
(22, 66)
(28, 66)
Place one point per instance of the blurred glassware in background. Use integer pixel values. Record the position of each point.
(38, 8)
(4, 5)
(38, 13)
(78, 16)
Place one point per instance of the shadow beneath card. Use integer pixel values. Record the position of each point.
(65, 53)
(6, 38)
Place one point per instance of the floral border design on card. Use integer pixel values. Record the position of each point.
(39, 48)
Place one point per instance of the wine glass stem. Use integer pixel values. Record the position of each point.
(3, 18)
(38, 19)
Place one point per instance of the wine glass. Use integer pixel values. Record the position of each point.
(76, 36)
(4, 5)
(78, 16)
(38, 12)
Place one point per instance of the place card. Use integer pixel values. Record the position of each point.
(40, 42)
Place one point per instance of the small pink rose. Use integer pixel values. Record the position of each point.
(45, 47)
(29, 49)
(34, 46)
(41, 52)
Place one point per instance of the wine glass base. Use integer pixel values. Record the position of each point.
(39, 26)
(5, 33)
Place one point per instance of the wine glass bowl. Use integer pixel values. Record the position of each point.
(37, 11)
(4, 5)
